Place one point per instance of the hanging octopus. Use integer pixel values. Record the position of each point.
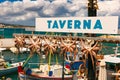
(50, 45)
(19, 42)
(35, 45)
(68, 45)
(49, 48)
(89, 47)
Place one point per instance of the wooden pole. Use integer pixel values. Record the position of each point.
(91, 12)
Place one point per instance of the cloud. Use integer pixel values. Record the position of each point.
(107, 8)
(26, 12)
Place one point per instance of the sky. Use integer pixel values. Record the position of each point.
(24, 12)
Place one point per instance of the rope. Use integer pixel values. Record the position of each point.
(49, 60)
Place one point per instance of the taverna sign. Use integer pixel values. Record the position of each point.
(105, 25)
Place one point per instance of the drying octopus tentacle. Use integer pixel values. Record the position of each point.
(92, 58)
(90, 50)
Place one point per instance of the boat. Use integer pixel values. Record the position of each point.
(112, 64)
(2, 49)
(22, 50)
(42, 73)
(1, 55)
(8, 68)
(43, 77)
